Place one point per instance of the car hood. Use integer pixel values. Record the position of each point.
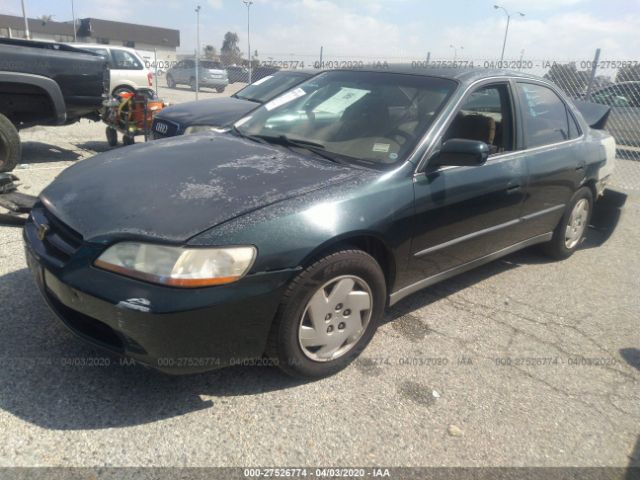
(174, 189)
(218, 112)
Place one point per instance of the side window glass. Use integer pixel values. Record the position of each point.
(544, 115)
(123, 60)
(574, 129)
(485, 116)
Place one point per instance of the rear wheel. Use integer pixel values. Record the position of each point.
(572, 227)
(328, 315)
(220, 89)
(171, 82)
(10, 148)
(192, 82)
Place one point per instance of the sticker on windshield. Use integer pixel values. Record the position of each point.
(381, 147)
(262, 80)
(339, 102)
(286, 98)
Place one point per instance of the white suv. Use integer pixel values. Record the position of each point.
(126, 66)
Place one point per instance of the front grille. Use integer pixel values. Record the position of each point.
(59, 241)
(163, 128)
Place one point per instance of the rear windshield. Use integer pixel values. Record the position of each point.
(271, 86)
(211, 65)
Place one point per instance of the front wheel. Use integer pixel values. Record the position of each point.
(128, 140)
(219, 89)
(171, 82)
(192, 82)
(328, 315)
(10, 147)
(572, 228)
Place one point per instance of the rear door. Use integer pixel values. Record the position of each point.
(465, 213)
(128, 69)
(555, 157)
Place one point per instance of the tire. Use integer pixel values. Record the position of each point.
(192, 83)
(560, 246)
(121, 89)
(170, 82)
(10, 147)
(127, 140)
(220, 89)
(112, 136)
(294, 318)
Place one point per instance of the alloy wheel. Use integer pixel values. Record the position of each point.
(577, 223)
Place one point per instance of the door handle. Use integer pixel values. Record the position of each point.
(514, 189)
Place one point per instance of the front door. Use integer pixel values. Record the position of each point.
(465, 213)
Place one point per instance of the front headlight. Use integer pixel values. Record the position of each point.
(203, 128)
(178, 266)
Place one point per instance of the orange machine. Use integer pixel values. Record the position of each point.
(131, 113)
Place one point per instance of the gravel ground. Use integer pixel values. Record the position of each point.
(522, 362)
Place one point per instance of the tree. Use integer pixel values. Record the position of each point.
(230, 53)
(210, 52)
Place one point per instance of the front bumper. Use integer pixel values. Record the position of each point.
(170, 329)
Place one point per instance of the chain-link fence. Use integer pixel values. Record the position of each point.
(615, 83)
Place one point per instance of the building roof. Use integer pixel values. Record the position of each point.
(37, 25)
(95, 27)
(98, 28)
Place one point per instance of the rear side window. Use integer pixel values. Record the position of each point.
(123, 60)
(544, 115)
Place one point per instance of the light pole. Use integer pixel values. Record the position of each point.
(27, 34)
(197, 50)
(455, 51)
(73, 15)
(506, 31)
(248, 3)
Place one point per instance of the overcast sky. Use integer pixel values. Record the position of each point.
(384, 29)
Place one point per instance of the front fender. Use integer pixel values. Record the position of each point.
(290, 232)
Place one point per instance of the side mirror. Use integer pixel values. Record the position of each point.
(461, 152)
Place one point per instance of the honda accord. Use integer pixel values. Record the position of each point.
(286, 237)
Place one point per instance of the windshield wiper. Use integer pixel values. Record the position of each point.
(313, 147)
(295, 142)
(248, 99)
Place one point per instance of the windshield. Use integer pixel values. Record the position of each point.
(271, 86)
(210, 65)
(370, 117)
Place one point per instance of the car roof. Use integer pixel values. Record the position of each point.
(100, 45)
(464, 75)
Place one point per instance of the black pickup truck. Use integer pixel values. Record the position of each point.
(45, 83)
